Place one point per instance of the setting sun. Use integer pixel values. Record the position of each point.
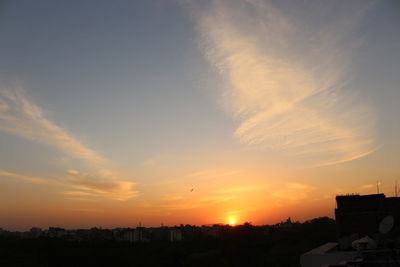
(232, 222)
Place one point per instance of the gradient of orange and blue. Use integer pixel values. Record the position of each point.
(119, 112)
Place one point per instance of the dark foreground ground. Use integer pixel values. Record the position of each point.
(244, 245)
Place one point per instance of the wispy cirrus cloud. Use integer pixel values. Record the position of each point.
(215, 197)
(85, 186)
(204, 201)
(20, 116)
(103, 186)
(29, 179)
(213, 174)
(291, 192)
(286, 77)
(242, 189)
(77, 193)
(251, 194)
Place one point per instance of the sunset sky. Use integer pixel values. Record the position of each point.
(194, 112)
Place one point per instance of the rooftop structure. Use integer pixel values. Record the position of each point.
(358, 216)
(368, 231)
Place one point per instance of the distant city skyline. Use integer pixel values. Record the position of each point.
(188, 112)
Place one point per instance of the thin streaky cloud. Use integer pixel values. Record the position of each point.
(197, 177)
(77, 193)
(87, 210)
(81, 199)
(278, 195)
(215, 197)
(205, 201)
(20, 116)
(87, 185)
(29, 179)
(291, 192)
(211, 174)
(116, 189)
(239, 189)
(287, 82)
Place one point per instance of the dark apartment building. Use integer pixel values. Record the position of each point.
(361, 215)
(368, 231)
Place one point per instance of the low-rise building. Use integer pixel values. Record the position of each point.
(174, 235)
(141, 234)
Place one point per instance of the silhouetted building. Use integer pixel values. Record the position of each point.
(35, 232)
(3, 232)
(174, 235)
(128, 235)
(357, 216)
(213, 231)
(287, 224)
(56, 232)
(160, 233)
(141, 234)
(368, 231)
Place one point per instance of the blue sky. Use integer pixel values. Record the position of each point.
(106, 104)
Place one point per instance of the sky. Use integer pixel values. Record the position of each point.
(120, 113)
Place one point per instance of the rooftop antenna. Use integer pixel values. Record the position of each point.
(377, 186)
(395, 189)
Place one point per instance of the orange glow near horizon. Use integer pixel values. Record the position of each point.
(232, 222)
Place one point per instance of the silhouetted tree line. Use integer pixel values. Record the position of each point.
(244, 245)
